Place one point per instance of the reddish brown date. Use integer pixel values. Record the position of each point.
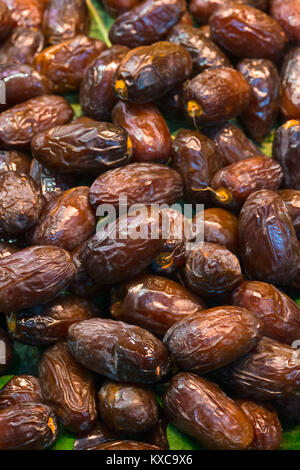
(68, 388)
(21, 46)
(27, 13)
(203, 9)
(125, 445)
(287, 13)
(268, 242)
(289, 102)
(201, 410)
(221, 227)
(64, 19)
(291, 199)
(119, 351)
(8, 348)
(146, 23)
(12, 160)
(32, 276)
(147, 129)
(286, 150)
(116, 8)
(144, 73)
(20, 389)
(154, 303)
(212, 338)
(52, 184)
(97, 97)
(128, 408)
(83, 146)
(64, 63)
(27, 426)
(244, 31)
(6, 21)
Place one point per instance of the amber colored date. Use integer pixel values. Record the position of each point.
(291, 199)
(8, 348)
(21, 46)
(286, 150)
(20, 389)
(12, 160)
(52, 184)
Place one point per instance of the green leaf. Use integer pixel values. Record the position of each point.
(291, 439)
(4, 379)
(179, 441)
(65, 440)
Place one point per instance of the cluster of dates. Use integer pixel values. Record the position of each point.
(212, 324)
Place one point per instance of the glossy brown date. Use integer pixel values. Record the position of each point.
(203, 9)
(8, 348)
(83, 146)
(97, 97)
(116, 8)
(154, 303)
(212, 338)
(6, 21)
(68, 388)
(286, 150)
(220, 226)
(12, 160)
(21, 46)
(125, 445)
(287, 13)
(291, 199)
(20, 389)
(263, 78)
(64, 19)
(127, 408)
(119, 351)
(200, 409)
(244, 31)
(147, 129)
(145, 72)
(215, 96)
(27, 13)
(82, 285)
(267, 238)
(289, 102)
(52, 184)
(64, 63)
(32, 276)
(146, 23)
(27, 426)
(99, 434)
(49, 323)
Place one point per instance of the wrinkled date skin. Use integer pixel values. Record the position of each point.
(6, 361)
(32, 276)
(267, 238)
(263, 78)
(220, 226)
(27, 426)
(127, 408)
(203, 9)
(291, 199)
(125, 445)
(146, 23)
(200, 409)
(64, 19)
(204, 53)
(287, 13)
(212, 338)
(244, 31)
(266, 425)
(118, 351)
(20, 389)
(245, 177)
(289, 102)
(215, 96)
(154, 303)
(49, 323)
(66, 221)
(268, 372)
(147, 129)
(141, 183)
(116, 8)
(64, 63)
(211, 270)
(82, 284)
(21, 202)
(149, 72)
(68, 388)
(52, 184)
(27, 13)
(83, 146)
(6, 21)
(22, 82)
(19, 124)
(12, 160)
(278, 313)
(286, 150)
(196, 158)
(21, 46)
(97, 97)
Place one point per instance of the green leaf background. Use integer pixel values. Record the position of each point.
(26, 358)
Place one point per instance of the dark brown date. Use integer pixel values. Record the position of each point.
(99, 434)
(19, 124)
(146, 23)
(291, 199)
(20, 389)
(288, 408)
(287, 13)
(83, 146)
(119, 351)
(200, 409)
(64, 63)
(82, 284)
(6, 21)
(128, 408)
(286, 150)
(170, 103)
(97, 97)
(158, 435)
(289, 102)
(154, 303)
(116, 8)
(147, 129)
(266, 425)
(12, 160)
(49, 323)
(7, 249)
(68, 388)
(27, 426)
(220, 227)
(27, 13)
(212, 338)
(21, 46)
(125, 445)
(32, 276)
(64, 19)
(244, 31)
(215, 96)
(263, 78)
(203, 9)
(267, 238)
(6, 351)
(211, 270)
(145, 72)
